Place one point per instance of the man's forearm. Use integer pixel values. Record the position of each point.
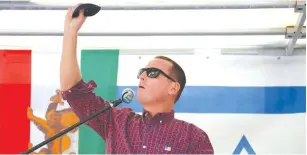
(69, 68)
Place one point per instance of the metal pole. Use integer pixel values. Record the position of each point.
(278, 31)
(33, 6)
(276, 51)
(297, 32)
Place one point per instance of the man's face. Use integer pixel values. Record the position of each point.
(153, 90)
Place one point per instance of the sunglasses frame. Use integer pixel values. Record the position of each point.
(147, 70)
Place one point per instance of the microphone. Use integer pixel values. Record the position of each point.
(127, 97)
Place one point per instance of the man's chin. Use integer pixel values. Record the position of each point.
(141, 100)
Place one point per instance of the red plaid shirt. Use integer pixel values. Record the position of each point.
(125, 131)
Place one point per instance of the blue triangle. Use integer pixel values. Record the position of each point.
(244, 144)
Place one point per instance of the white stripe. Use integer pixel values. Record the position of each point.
(224, 70)
(45, 81)
(267, 134)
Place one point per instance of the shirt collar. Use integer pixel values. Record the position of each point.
(162, 116)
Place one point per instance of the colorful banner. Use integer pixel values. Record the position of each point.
(252, 104)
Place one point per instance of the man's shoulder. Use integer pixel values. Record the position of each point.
(197, 137)
(191, 127)
(187, 123)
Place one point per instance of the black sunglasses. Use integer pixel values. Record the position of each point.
(153, 73)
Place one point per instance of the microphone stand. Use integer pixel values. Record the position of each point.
(112, 104)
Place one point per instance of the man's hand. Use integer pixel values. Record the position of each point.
(74, 24)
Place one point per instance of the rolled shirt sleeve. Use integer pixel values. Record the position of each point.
(85, 102)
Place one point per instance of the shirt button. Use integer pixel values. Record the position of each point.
(144, 147)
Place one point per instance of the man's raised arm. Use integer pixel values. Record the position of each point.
(69, 69)
(78, 93)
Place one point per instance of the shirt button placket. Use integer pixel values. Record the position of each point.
(145, 134)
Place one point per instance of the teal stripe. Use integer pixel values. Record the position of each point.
(101, 66)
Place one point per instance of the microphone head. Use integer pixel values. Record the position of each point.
(127, 95)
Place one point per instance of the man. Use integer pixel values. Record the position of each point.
(156, 131)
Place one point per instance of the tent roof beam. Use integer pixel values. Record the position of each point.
(27, 5)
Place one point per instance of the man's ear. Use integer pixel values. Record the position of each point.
(174, 88)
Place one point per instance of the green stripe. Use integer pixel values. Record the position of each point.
(101, 66)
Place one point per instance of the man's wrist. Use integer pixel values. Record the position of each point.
(70, 32)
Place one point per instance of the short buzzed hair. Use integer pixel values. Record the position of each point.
(177, 73)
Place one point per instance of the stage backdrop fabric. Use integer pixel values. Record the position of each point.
(251, 104)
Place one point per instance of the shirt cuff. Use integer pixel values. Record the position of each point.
(78, 89)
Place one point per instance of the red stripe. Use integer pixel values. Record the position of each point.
(15, 92)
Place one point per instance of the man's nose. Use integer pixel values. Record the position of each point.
(142, 76)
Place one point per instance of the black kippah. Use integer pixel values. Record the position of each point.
(89, 9)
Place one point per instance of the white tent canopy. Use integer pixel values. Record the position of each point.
(19, 22)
